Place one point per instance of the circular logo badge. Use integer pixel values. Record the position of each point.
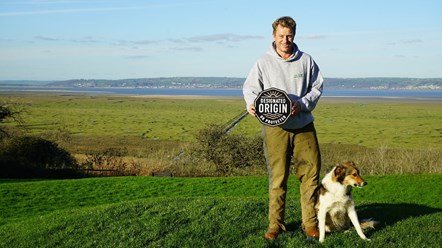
(272, 107)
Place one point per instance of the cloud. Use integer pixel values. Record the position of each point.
(217, 38)
(175, 40)
(137, 57)
(186, 44)
(144, 42)
(313, 37)
(47, 2)
(82, 10)
(222, 37)
(192, 49)
(46, 38)
(414, 41)
(64, 11)
(86, 39)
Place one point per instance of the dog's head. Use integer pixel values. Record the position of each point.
(348, 175)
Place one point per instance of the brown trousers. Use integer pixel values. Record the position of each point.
(280, 145)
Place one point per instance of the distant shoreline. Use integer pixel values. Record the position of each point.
(337, 99)
(329, 96)
(357, 99)
(373, 83)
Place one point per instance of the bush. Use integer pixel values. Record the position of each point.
(40, 153)
(5, 112)
(235, 154)
(227, 151)
(33, 156)
(110, 159)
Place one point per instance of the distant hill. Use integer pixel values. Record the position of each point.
(232, 82)
(163, 82)
(24, 82)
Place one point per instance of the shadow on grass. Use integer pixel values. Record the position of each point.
(390, 213)
(294, 226)
(386, 214)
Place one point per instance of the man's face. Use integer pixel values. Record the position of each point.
(284, 40)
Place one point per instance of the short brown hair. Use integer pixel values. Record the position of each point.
(285, 21)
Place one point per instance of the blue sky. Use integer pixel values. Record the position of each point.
(108, 39)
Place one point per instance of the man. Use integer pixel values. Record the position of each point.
(287, 68)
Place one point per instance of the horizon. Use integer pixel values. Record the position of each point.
(57, 40)
(119, 79)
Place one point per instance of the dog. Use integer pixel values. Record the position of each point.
(335, 207)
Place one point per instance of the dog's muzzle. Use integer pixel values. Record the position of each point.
(361, 184)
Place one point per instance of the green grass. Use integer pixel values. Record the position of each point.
(203, 212)
(399, 124)
(150, 118)
(377, 124)
(384, 137)
(220, 212)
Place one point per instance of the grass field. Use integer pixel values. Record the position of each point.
(396, 124)
(375, 124)
(150, 118)
(384, 136)
(218, 211)
(203, 212)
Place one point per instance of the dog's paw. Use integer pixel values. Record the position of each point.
(366, 239)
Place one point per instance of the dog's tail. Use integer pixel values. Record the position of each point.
(368, 223)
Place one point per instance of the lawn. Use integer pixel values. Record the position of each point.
(203, 212)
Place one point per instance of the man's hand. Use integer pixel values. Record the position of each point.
(296, 108)
(252, 110)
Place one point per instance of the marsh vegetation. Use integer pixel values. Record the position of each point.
(146, 135)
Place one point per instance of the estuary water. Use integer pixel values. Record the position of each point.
(236, 92)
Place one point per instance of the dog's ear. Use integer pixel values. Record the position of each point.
(340, 173)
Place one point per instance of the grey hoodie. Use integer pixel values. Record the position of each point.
(298, 76)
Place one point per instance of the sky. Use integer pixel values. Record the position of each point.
(109, 39)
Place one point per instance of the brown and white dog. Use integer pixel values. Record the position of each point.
(335, 206)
